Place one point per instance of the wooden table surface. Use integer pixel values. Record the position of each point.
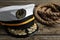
(43, 33)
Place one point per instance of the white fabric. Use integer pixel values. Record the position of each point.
(9, 13)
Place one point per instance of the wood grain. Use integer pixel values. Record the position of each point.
(43, 33)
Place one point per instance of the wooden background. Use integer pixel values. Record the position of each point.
(43, 33)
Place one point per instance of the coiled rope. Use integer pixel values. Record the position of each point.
(48, 14)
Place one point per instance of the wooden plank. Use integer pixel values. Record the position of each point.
(44, 33)
(37, 37)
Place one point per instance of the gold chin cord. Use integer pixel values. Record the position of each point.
(27, 21)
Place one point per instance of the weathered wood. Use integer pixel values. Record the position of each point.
(43, 33)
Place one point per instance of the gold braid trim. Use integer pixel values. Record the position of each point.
(18, 23)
